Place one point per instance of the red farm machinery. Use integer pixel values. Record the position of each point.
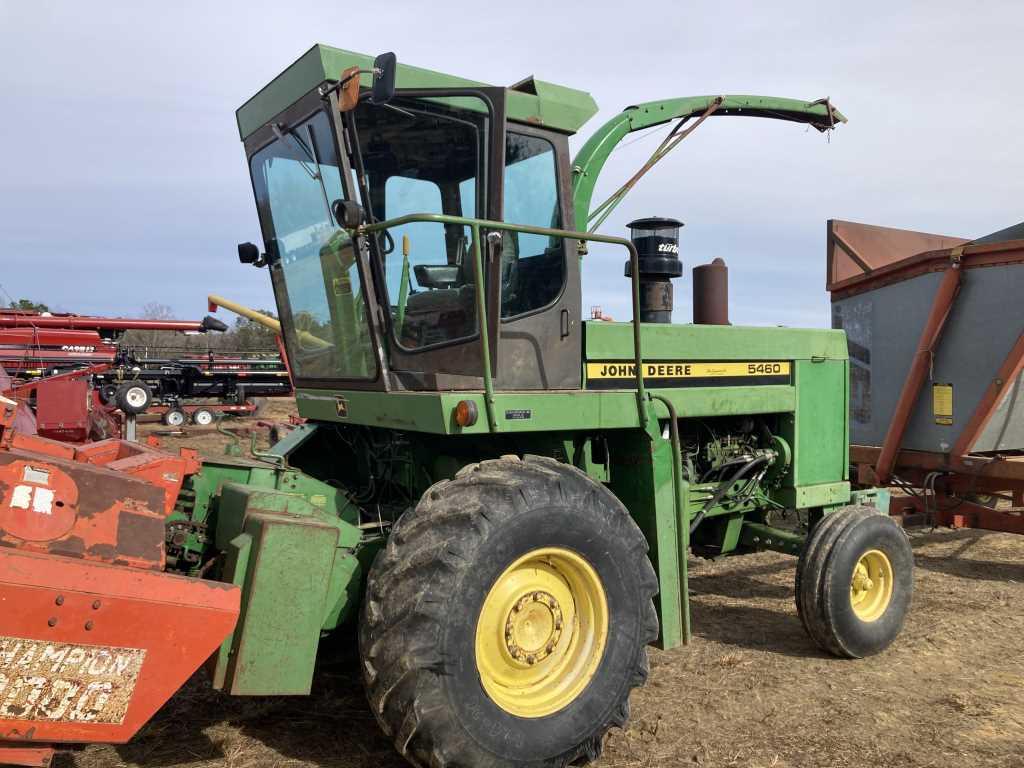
(78, 377)
(936, 357)
(96, 635)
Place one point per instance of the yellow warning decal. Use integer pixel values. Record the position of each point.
(942, 404)
(681, 370)
(681, 373)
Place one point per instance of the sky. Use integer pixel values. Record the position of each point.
(123, 181)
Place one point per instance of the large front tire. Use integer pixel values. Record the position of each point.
(506, 621)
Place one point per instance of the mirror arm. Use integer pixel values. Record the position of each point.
(325, 90)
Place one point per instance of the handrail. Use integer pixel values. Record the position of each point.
(475, 226)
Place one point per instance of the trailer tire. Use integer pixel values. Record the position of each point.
(540, 543)
(107, 393)
(174, 417)
(133, 397)
(202, 417)
(854, 582)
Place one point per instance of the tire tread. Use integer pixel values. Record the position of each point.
(401, 623)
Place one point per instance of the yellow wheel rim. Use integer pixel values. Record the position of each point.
(541, 632)
(871, 585)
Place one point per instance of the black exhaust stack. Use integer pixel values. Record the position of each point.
(657, 244)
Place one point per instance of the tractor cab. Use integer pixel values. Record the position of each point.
(403, 308)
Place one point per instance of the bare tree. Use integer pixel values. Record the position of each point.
(154, 310)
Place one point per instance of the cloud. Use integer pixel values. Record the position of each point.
(124, 181)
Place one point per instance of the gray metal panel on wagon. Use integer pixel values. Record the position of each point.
(883, 327)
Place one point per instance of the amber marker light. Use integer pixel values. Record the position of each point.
(465, 413)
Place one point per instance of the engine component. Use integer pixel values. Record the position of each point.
(657, 244)
(711, 293)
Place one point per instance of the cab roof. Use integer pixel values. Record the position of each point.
(528, 101)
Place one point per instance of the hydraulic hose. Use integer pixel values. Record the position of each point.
(723, 489)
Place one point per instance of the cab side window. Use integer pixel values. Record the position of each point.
(532, 266)
(402, 195)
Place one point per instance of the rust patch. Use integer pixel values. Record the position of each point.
(102, 551)
(73, 546)
(140, 536)
(100, 489)
(64, 682)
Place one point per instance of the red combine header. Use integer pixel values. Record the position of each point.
(36, 343)
(71, 368)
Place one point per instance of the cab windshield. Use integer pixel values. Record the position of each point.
(425, 157)
(323, 312)
(428, 157)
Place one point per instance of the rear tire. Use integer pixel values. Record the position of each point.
(482, 593)
(854, 582)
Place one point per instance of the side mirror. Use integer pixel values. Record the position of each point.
(348, 213)
(248, 253)
(384, 69)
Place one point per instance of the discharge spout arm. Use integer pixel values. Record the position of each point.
(592, 156)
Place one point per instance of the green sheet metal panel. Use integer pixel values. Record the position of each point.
(820, 453)
(663, 341)
(432, 411)
(554, 106)
(295, 559)
(642, 480)
(236, 566)
(821, 495)
(284, 604)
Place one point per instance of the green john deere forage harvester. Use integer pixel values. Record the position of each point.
(502, 495)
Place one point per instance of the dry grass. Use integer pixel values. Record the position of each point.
(750, 691)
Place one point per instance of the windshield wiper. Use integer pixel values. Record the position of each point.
(310, 152)
(289, 135)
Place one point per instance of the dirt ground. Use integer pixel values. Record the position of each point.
(750, 691)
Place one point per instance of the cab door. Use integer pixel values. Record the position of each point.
(539, 344)
(431, 151)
